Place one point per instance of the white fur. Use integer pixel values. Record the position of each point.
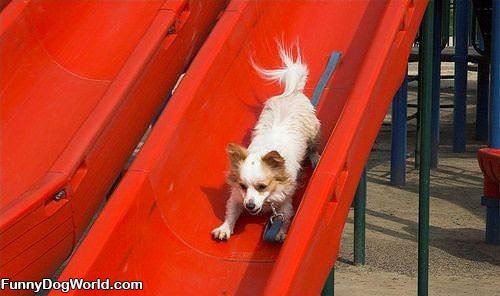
(288, 125)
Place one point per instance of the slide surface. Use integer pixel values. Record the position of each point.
(80, 82)
(156, 226)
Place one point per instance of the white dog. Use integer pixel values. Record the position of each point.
(266, 173)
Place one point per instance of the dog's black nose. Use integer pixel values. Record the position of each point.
(250, 205)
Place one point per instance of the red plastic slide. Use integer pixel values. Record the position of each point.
(156, 226)
(79, 84)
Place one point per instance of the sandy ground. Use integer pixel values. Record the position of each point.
(460, 262)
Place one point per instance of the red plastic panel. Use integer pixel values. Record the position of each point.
(79, 84)
(489, 161)
(3, 3)
(156, 227)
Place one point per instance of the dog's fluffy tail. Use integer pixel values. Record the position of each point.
(293, 73)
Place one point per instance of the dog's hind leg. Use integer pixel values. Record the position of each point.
(312, 150)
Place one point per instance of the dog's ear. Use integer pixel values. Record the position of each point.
(236, 153)
(274, 160)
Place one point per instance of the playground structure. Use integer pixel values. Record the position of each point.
(476, 41)
(151, 193)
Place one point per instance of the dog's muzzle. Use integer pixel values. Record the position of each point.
(252, 208)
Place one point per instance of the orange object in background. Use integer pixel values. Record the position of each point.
(156, 227)
(489, 161)
(79, 83)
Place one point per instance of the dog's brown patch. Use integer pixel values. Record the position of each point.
(237, 154)
(274, 160)
(276, 164)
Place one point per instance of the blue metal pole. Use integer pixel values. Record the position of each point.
(399, 134)
(492, 234)
(436, 84)
(461, 50)
(493, 204)
(494, 138)
(483, 89)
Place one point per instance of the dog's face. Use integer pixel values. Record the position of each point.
(259, 178)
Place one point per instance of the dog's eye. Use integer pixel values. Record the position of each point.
(261, 187)
(243, 186)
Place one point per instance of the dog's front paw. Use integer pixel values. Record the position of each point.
(222, 232)
(280, 237)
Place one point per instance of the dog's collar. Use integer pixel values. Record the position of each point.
(275, 214)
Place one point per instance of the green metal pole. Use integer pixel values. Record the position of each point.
(419, 97)
(425, 159)
(359, 221)
(445, 24)
(328, 289)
